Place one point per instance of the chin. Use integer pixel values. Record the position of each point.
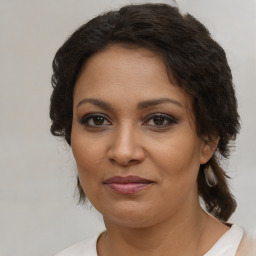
(131, 215)
(129, 222)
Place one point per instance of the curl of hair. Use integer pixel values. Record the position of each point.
(196, 62)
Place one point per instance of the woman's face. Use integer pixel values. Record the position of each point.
(134, 138)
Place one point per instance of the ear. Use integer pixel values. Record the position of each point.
(208, 148)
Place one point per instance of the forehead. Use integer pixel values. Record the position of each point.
(128, 74)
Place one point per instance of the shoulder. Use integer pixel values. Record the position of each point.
(247, 246)
(228, 244)
(235, 242)
(85, 247)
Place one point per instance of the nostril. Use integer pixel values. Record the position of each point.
(124, 163)
(125, 154)
(133, 161)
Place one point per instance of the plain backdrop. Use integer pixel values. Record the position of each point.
(38, 214)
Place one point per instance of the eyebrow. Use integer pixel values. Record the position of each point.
(96, 102)
(154, 102)
(141, 105)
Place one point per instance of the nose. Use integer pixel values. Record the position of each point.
(126, 148)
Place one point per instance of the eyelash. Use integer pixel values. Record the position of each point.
(171, 120)
(85, 120)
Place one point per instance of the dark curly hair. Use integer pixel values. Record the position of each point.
(196, 62)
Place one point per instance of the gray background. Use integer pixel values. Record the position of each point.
(38, 214)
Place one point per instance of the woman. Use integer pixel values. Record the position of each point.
(145, 99)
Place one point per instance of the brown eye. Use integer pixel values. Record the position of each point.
(160, 120)
(95, 120)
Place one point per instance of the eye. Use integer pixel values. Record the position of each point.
(95, 121)
(160, 120)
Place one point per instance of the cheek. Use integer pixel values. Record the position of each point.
(86, 154)
(87, 147)
(178, 157)
(89, 154)
(178, 162)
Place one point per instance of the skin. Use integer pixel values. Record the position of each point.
(128, 140)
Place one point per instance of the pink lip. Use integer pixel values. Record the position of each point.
(127, 185)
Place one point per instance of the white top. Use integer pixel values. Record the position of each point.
(227, 245)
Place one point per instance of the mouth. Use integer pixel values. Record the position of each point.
(127, 185)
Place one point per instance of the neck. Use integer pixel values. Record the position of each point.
(179, 235)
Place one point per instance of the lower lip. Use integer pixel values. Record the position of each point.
(128, 188)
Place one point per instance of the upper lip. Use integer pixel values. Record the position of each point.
(126, 179)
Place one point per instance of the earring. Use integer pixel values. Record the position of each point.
(210, 177)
